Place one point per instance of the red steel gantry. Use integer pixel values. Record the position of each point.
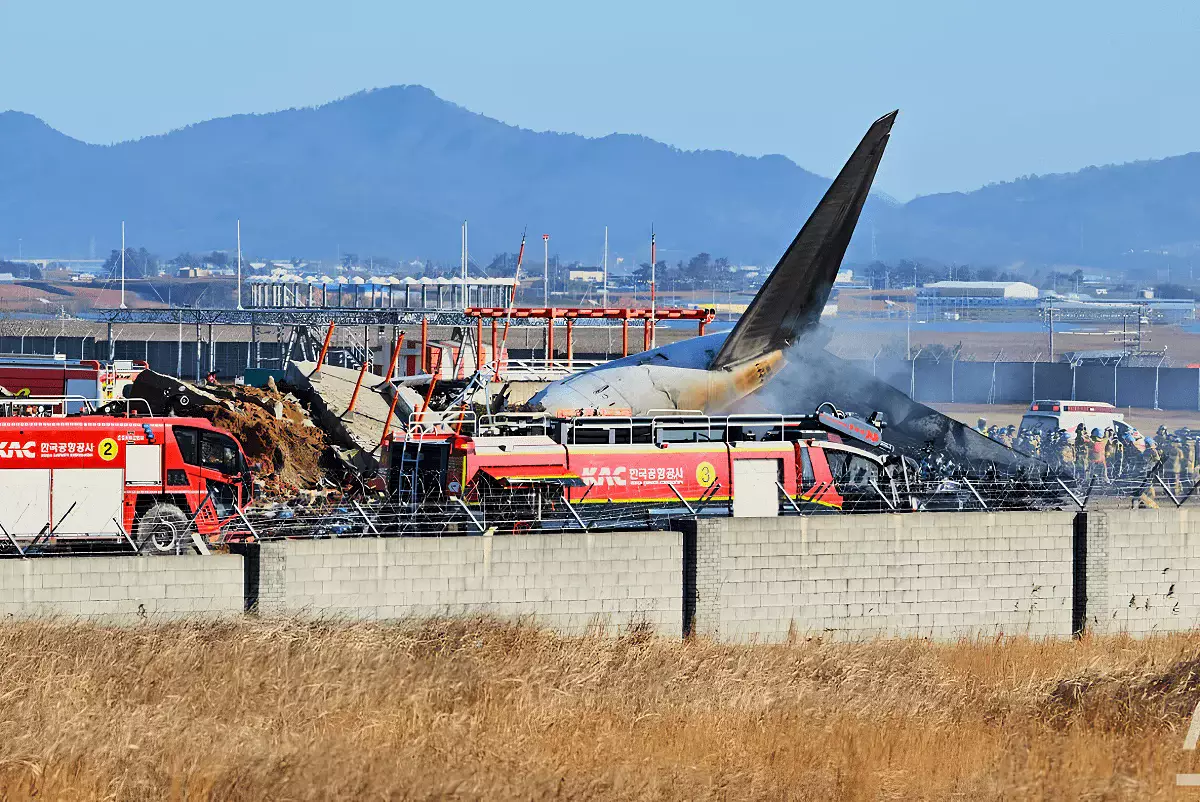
(570, 314)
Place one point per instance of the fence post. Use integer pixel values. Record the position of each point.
(912, 382)
(1115, 364)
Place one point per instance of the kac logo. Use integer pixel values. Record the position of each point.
(17, 449)
(604, 476)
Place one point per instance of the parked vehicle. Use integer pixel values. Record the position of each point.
(744, 464)
(1050, 416)
(101, 479)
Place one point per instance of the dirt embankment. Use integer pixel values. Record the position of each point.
(286, 451)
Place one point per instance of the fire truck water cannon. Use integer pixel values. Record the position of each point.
(868, 431)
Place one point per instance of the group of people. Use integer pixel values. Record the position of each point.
(1107, 457)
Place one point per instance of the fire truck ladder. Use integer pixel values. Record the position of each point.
(408, 490)
(409, 479)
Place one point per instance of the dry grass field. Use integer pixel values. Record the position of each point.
(481, 709)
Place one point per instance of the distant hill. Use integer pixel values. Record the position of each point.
(391, 172)
(394, 172)
(1137, 215)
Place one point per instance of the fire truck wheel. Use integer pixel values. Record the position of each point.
(161, 528)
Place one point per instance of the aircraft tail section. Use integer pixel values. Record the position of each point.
(792, 298)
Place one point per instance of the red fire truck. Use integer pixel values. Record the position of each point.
(99, 478)
(48, 376)
(745, 464)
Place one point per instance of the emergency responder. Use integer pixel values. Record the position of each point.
(1002, 435)
(1010, 436)
(1171, 456)
(1097, 468)
(1153, 466)
(1187, 456)
(1081, 450)
(1116, 456)
(1066, 452)
(1194, 436)
(981, 425)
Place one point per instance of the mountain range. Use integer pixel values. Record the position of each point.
(395, 171)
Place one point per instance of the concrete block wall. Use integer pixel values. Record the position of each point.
(940, 575)
(1143, 570)
(568, 582)
(122, 589)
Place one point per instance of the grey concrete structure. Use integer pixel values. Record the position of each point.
(940, 575)
(331, 390)
(1143, 570)
(122, 589)
(568, 582)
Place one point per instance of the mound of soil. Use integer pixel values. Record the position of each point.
(284, 449)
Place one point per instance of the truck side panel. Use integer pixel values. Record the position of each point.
(87, 501)
(26, 510)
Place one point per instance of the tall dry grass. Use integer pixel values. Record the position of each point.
(468, 709)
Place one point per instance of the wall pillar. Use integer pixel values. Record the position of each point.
(1091, 571)
(702, 577)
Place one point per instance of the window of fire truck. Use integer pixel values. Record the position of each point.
(223, 497)
(756, 433)
(592, 435)
(688, 431)
(220, 453)
(188, 442)
(851, 469)
(593, 431)
(807, 475)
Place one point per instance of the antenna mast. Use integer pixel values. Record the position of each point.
(239, 279)
(605, 289)
(546, 271)
(123, 265)
(653, 310)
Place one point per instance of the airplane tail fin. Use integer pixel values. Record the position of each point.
(791, 299)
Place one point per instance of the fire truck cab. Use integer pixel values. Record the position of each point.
(79, 479)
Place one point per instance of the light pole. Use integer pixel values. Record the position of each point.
(123, 265)
(466, 256)
(546, 271)
(653, 257)
(912, 382)
(239, 277)
(605, 290)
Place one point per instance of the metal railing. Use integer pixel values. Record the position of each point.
(52, 406)
(543, 369)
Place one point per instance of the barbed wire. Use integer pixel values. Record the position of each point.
(487, 509)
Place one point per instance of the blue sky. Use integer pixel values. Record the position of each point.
(987, 91)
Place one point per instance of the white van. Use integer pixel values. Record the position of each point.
(1048, 416)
